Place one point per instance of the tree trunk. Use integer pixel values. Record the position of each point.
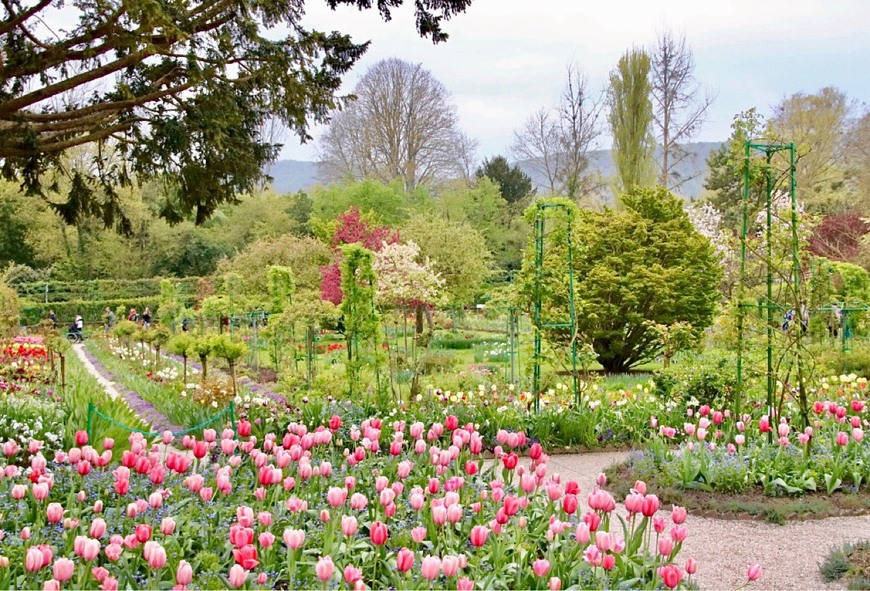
(203, 361)
(62, 373)
(157, 357)
(418, 327)
(184, 379)
(232, 365)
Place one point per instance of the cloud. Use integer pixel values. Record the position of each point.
(506, 58)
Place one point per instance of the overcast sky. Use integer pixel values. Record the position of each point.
(506, 58)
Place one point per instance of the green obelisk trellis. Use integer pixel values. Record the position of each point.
(571, 322)
(768, 305)
(512, 368)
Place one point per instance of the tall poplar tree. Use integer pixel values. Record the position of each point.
(631, 117)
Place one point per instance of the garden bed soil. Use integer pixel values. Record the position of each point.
(751, 504)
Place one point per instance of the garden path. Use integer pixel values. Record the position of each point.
(146, 411)
(790, 554)
(107, 385)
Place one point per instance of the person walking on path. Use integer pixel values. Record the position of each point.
(146, 318)
(110, 319)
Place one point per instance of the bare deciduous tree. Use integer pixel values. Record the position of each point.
(556, 142)
(538, 144)
(402, 125)
(579, 129)
(680, 105)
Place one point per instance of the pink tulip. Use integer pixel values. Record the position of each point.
(450, 565)
(554, 584)
(54, 512)
(349, 525)
(666, 546)
(336, 496)
(324, 568)
(678, 514)
(51, 585)
(294, 538)
(63, 569)
(464, 584)
(40, 491)
(91, 549)
(113, 552)
(541, 567)
(33, 559)
(110, 584)
(98, 528)
(238, 576)
(184, 573)
(418, 534)
(478, 535)
(430, 567)
(404, 560)
(842, 439)
(167, 526)
(691, 566)
(352, 574)
(671, 576)
(754, 572)
(604, 540)
(650, 505)
(157, 557)
(266, 539)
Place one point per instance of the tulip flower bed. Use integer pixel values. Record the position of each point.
(377, 505)
(614, 418)
(23, 363)
(715, 452)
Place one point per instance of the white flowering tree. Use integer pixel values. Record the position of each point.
(404, 281)
(707, 221)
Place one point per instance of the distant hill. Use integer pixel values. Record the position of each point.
(695, 165)
(294, 175)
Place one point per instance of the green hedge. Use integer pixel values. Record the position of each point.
(92, 311)
(102, 289)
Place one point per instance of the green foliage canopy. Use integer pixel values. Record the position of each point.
(179, 89)
(643, 264)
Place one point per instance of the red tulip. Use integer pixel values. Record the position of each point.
(569, 504)
(379, 533)
(671, 576)
(478, 535)
(246, 556)
(143, 533)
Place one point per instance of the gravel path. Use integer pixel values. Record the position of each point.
(107, 385)
(790, 554)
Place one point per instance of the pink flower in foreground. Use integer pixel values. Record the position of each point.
(541, 567)
(430, 567)
(754, 572)
(238, 576)
(324, 568)
(671, 576)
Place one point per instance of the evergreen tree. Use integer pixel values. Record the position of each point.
(512, 182)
